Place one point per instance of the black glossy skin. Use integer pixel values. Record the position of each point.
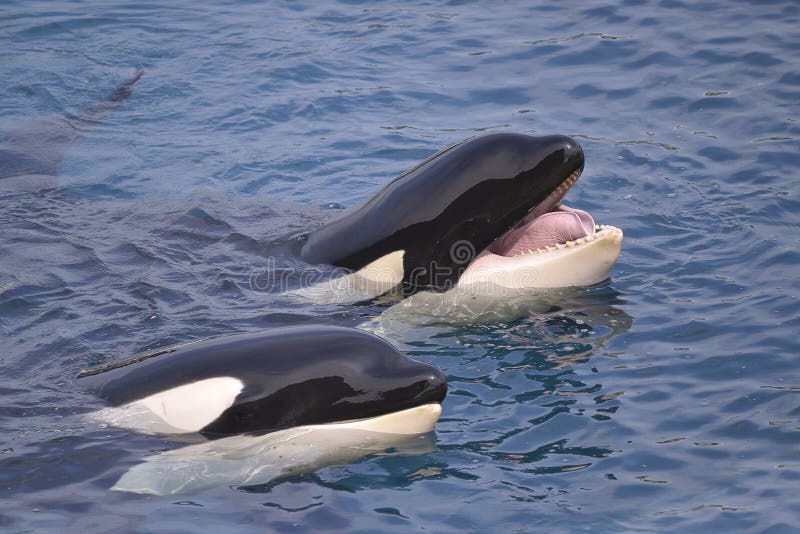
(293, 376)
(468, 194)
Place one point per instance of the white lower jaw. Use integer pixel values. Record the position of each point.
(247, 460)
(582, 264)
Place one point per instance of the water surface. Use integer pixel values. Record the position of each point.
(667, 399)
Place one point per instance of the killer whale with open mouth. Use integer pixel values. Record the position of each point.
(484, 212)
(284, 401)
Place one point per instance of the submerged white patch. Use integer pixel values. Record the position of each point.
(186, 408)
(368, 282)
(385, 272)
(243, 460)
(459, 306)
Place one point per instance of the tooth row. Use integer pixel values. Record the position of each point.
(568, 183)
(568, 244)
(561, 246)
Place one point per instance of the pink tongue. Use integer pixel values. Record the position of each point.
(558, 226)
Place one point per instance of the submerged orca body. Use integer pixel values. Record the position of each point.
(487, 209)
(269, 381)
(31, 155)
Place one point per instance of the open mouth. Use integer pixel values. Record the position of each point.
(546, 241)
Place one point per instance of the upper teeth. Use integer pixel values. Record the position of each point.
(561, 190)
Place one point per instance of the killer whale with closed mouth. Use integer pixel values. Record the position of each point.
(271, 403)
(484, 213)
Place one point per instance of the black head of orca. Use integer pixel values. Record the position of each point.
(449, 208)
(290, 377)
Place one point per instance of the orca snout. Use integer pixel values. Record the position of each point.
(572, 151)
(435, 387)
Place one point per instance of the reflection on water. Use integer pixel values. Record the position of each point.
(258, 460)
(521, 391)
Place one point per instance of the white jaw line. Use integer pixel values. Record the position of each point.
(416, 420)
(582, 262)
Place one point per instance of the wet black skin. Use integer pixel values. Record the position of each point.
(293, 376)
(465, 196)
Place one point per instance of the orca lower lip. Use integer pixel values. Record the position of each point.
(578, 263)
(416, 420)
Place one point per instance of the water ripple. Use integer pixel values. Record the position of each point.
(660, 401)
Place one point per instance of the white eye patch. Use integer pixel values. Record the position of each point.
(190, 407)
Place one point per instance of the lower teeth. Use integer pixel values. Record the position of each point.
(567, 244)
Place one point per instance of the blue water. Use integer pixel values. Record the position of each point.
(666, 400)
